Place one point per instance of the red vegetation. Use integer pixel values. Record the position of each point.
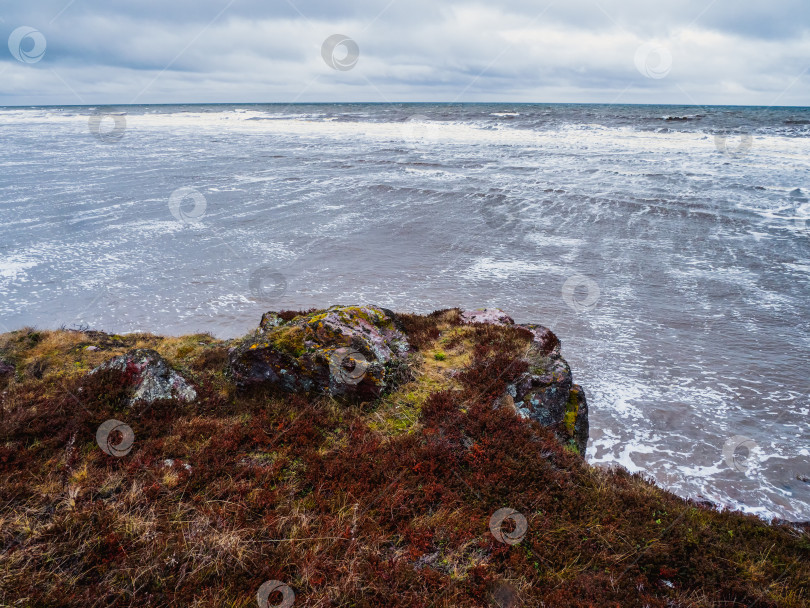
(264, 486)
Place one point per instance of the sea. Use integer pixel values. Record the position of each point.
(667, 246)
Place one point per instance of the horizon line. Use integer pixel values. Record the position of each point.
(390, 103)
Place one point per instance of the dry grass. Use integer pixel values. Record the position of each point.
(371, 504)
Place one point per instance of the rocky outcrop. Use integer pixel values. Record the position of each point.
(546, 392)
(354, 351)
(150, 376)
(343, 350)
(546, 342)
(491, 316)
(270, 320)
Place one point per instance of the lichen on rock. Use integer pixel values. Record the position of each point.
(546, 392)
(491, 316)
(545, 341)
(150, 376)
(270, 320)
(343, 350)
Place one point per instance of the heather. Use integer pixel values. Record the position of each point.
(379, 501)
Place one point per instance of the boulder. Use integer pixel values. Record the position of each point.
(491, 316)
(270, 320)
(544, 338)
(150, 376)
(343, 350)
(546, 392)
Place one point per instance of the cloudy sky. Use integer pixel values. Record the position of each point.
(625, 51)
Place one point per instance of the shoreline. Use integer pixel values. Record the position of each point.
(349, 453)
(762, 512)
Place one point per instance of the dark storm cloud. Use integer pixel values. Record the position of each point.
(248, 50)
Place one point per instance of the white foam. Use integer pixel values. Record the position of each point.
(12, 268)
(504, 269)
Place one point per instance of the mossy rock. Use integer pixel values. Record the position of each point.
(343, 350)
(150, 377)
(546, 392)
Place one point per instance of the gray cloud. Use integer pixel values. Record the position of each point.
(744, 52)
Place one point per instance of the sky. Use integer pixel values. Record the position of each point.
(728, 52)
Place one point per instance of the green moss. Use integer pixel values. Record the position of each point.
(538, 369)
(440, 356)
(348, 313)
(315, 318)
(289, 340)
(571, 409)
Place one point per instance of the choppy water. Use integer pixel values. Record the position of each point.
(668, 247)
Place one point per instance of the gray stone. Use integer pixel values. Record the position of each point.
(544, 339)
(343, 350)
(270, 320)
(150, 376)
(546, 392)
(490, 316)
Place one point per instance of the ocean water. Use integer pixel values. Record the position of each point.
(668, 247)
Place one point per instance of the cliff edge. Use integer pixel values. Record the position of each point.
(349, 456)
